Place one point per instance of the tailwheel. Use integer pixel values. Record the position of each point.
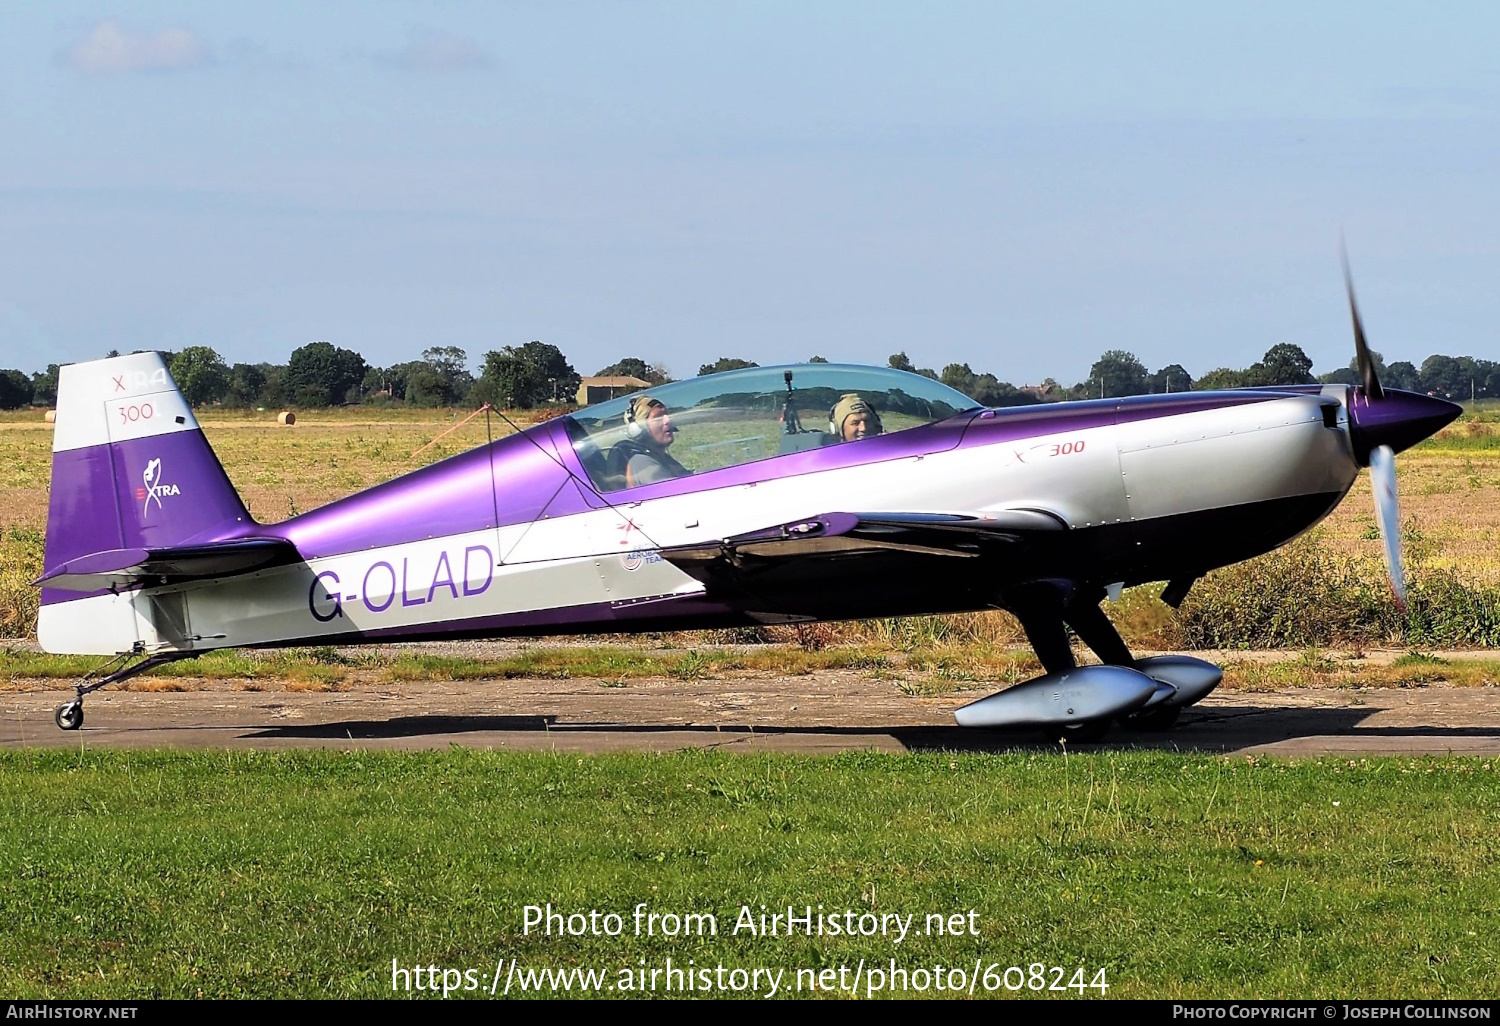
(1085, 732)
(69, 716)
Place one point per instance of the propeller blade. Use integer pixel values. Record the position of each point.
(1388, 516)
(1362, 358)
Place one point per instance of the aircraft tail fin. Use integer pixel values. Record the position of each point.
(131, 468)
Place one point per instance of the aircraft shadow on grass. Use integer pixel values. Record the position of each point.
(1226, 727)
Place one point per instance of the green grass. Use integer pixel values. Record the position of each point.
(1457, 443)
(251, 874)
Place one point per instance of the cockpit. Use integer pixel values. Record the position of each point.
(723, 420)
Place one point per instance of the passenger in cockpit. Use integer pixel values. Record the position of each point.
(852, 419)
(641, 456)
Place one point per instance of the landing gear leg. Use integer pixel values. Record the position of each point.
(1095, 630)
(69, 715)
(1042, 615)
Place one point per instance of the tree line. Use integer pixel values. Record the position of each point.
(321, 374)
(537, 374)
(1120, 373)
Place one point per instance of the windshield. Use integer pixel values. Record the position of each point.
(721, 420)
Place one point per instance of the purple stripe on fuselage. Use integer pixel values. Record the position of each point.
(447, 498)
(1020, 422)
(1147, 407)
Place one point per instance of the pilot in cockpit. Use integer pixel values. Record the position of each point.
(852, 419)
(641, 456)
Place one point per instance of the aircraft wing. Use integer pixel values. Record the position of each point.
(951, 535)
(128, 568)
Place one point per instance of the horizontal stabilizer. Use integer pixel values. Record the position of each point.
(837, 534)
(128, 568)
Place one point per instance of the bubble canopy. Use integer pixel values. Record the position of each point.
(723, 420)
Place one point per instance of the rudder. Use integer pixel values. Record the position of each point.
(130, 469)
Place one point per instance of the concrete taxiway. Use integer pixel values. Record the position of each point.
(815, 713)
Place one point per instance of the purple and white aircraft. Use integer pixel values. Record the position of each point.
(708, 503)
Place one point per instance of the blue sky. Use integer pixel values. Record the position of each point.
(1018, 187)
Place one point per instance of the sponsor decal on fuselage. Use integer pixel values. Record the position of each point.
(635, 560)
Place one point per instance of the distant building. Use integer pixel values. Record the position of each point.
(1046, 393)
(598, 390)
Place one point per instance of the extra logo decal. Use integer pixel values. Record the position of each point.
(154, 488)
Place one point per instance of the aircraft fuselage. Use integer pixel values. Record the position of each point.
(513, 538)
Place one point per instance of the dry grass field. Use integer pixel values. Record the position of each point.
(1450, 490)
(279, 471)
(1450, 500)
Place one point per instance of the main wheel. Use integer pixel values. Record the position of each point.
(69, 716)
(1085, 732)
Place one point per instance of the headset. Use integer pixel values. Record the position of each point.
(633, 427)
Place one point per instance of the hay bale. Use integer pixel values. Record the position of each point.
(286, 417)
(50, 416)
